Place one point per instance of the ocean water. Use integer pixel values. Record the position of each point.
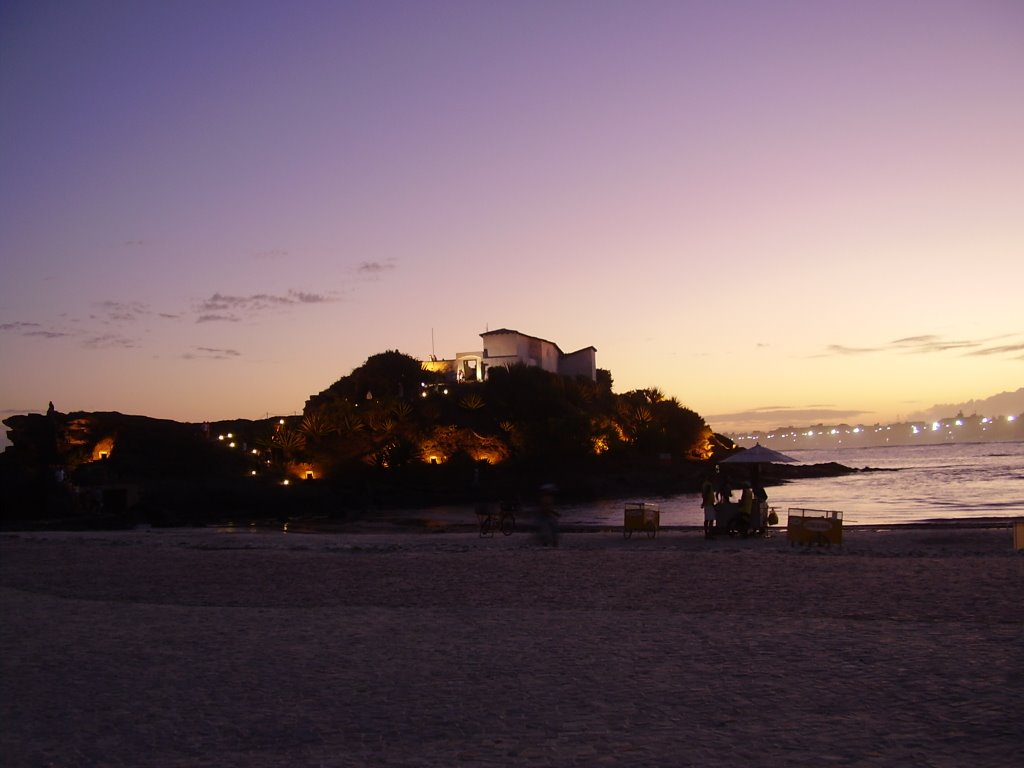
(929, 483)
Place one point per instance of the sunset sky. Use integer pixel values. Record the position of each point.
(777, 212)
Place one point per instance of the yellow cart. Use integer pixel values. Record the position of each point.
(823, 527)
(641, 516)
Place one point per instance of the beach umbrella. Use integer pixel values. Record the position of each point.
(759, 455)
(755, 457)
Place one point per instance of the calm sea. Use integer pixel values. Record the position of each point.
(933, 482)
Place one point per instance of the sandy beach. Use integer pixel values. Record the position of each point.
(905, 646)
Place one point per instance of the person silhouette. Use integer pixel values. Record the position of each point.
(547, 523)
(707, 495)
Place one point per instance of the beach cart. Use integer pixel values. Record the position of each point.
(823, 527)
(641, 516)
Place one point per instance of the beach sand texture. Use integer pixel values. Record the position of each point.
(203, 648)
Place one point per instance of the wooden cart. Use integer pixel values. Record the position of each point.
(823, 527)
(641, 516)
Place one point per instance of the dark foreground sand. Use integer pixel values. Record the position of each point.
(202, 648)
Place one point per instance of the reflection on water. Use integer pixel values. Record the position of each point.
(937, 482)
(932, 482)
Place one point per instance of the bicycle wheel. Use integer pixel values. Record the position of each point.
(508, 523)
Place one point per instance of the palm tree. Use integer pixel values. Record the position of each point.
(317, 425)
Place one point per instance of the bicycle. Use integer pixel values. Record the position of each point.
(504, 520)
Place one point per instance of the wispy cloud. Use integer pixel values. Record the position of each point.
(922, 345)
(1002, 349)
(214, 318)
(211, 353)
(840, 349)
(121, 311)
(376, 267)
(33, 330)
(48, 334)
(928, 344)
(778, 416)
(272, 254)
(255, 303)
(109, 341)
(100, 329)
(772, 417)
(18, 327)
(305, 297)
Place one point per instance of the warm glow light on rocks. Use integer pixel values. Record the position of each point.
(103, 449)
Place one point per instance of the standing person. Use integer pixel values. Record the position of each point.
(547, 525)
(760, 494)
(746, 504)
(724, 491)
(707, 494)
(760, 513)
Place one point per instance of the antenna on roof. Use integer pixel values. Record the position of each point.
(433, 354)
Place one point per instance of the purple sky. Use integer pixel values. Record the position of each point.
(214, 209)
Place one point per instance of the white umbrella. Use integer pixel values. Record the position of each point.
(758, 455)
